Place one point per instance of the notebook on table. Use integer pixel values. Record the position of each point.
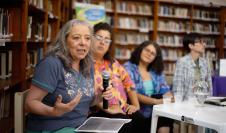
(220, 101)
(102, 125)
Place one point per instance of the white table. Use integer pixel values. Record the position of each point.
(213, 117)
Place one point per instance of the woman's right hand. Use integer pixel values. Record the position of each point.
(61, 108)
(108, 95)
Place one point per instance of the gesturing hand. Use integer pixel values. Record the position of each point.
(61, 108)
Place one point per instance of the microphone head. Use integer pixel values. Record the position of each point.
(105, 75)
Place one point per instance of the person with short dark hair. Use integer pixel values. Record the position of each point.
(192, 67)
(124, 103)
(145, 67)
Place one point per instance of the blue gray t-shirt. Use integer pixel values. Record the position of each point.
(51, 76)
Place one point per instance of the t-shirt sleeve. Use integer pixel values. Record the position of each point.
(47, 73)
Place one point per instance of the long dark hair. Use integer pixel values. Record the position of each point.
(156, 65)
(105, 26)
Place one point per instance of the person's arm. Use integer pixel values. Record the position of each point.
(33, 103)
(149, 100)
(178, 77)
(134, 106)
(209, 79)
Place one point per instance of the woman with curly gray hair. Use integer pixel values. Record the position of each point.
(61, 91)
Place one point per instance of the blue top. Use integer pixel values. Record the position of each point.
(51, 76)
(159, 84)
(148, 87)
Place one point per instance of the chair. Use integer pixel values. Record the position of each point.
(19, 111)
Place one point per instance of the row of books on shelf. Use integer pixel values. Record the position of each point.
(35, 30)
(174, 54)
(109, 20)
(130, 38)
(167, 54)
(181, 26)
(169, 68)
(165, 10)
(177, 41)
(169, 40)
(135, 23)
(4, 104)
(5, 21)
(107, 4)
(37, 3)
(206, 28)
(6, 64)
(204, 14)
(134, 8)
(122, 53)
(33, 57)
(171, 54)
(199, 2)
(173, 26)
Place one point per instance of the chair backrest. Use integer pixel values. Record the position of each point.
(19, 111)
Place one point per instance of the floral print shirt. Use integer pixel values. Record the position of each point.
(119, 78)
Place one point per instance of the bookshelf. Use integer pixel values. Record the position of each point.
(132, 23)
(222, 40)
(166, 22)
(27, 27)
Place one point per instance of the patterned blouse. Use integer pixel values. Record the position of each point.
(119, 79)
(184, 75)
(159, 84)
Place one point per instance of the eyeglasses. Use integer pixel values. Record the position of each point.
(200, 41)
(149, 51)
(102, 39)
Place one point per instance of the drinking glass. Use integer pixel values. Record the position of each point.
(201, 91)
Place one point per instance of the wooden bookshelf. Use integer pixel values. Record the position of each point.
(29, 26)
(168, 21)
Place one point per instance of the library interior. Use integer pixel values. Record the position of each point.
(29, 27)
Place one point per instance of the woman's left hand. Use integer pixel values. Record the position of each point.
(131, 109)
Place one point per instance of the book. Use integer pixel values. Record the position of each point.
(220, 101)
(102, 125)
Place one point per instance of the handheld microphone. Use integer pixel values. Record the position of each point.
(106, 77)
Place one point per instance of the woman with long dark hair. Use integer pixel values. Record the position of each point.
(145, 68)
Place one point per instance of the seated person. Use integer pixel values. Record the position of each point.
(146, 70)
(123, 89)
(191, 68)
(61, 91)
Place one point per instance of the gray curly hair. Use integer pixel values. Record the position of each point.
(59, 47)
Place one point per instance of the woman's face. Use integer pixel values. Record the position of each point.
(102, 41)
(78, 41)
(148, 54)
